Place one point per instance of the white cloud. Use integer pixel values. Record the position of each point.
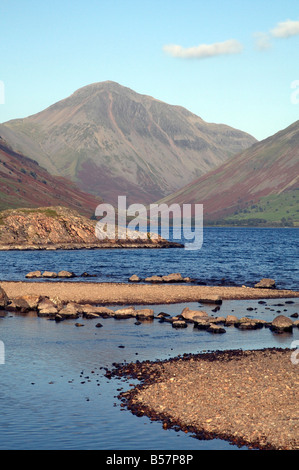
(262, 41)
(204, 50)
(286, 29)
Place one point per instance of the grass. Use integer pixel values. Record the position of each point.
(279, 209)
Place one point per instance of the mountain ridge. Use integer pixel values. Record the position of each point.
(112, 141)
(269, 167)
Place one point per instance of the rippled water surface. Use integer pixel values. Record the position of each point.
(53, 391)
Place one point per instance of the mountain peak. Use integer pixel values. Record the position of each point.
(112, 141)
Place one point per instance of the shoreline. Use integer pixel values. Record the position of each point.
(248, 398)
(138, 294)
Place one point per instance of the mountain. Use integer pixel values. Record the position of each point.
(23, 183)
(260, 184)
(112, 141)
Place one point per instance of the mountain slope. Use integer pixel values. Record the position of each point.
(23, 183)
(268, 168)
(113, 141)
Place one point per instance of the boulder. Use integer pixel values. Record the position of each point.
(189, 315)
(174, 277)
(24, 303)
(134, 278)
(3, 299)
(145, 314)
(71, 310)
(47, 308)
(216, 329)
(201, 323)
(249, 323)
(34, 275)
(265, 284)
(154, 279)
(281, 324)
(124, 313)
(49, 274)
(66, 274)
(231, 320)
(103, 312)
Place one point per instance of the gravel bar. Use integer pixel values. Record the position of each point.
(142, 294)
(249, 398)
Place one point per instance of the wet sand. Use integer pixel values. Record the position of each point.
(138, 294)
(249, 398)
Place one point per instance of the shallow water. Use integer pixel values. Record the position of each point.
(54, 394)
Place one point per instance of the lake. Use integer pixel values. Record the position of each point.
(54, 393)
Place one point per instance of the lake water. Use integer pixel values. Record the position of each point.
(54, 394)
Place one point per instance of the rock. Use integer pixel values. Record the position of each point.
(154, 279)
(33, 275)
(174, 277)
(179, 324)
(216, 329)
(49, 274)
(187, 279)
(24, 303)
(79, 324)
(104, 312)
(281, 324)
(90, 311)
(296, 323)
(216, 320)
(99, 325)
(145, 314)
(295, 315)
(47, 308)
(71, 310)
(88, 275)
(231, 320)
(124, 313)
(201, 323)
(249, 323)
(66, 274)
(189, 315)
(134, 278)
(3, 299)
(265, 284)
(212, 299)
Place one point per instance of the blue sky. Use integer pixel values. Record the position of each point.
(228, 61)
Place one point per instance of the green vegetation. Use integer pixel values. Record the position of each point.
(279, 210)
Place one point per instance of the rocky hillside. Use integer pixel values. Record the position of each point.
(260, 183)
(62, 228)
(113, 141)
(23, 183)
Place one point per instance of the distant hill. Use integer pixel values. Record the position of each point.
(23, 183)
(112, 141)
(258, 186)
